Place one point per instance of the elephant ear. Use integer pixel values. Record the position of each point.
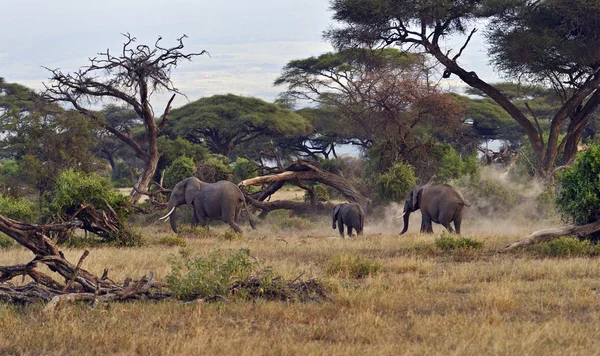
(416, 196)
(336, 210)
(191, 191)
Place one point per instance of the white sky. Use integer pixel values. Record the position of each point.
(249, 40)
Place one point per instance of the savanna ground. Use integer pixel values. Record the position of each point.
(421, 301)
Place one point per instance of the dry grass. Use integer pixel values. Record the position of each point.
(422, 300)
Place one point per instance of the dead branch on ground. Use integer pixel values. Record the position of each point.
(551, 234)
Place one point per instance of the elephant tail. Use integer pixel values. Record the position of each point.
(250, 221)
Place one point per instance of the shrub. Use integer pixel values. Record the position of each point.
(578, 198)
(17, 208)
(244, 169)
(352, 266)
(213, 276)
(6, 241)
(568, 247)
(447, 242)
(208, 276)
(453, 166)
(74, 189)
(181, 168)
(214, 168)
(396, 182)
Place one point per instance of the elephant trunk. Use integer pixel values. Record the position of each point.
(173, 216)
(406, 215)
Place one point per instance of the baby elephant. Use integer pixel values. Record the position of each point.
(351, 215)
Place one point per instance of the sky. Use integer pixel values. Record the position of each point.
(249, 41)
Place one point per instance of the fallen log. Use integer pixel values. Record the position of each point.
(298, 172)
(551, 234)
(79, 284)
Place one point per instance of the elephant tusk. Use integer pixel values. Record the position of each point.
(169, 214)
(399, 216)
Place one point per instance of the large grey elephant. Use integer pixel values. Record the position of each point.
(349, 214)
(221, 200)
(440, 204)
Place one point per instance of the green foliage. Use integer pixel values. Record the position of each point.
(230, 235)
(172, 149)
(17, 208)
(395, 184)
(182, 168)
(570, 247)
(352, 266)
(208, 276)
(453, 166)
(5, 241)
(214, 168)
(578, 198)
(76, 188)
(447, 242)
(225, 121)
(236, 275)
(321, 192)
(243, 169)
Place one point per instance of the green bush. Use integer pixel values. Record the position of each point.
(208, 276)
(181, 168)
(569, 247)
(447, 242)
(453, 166)
(74, 189)
(6, 241)
(578, 198)
(17, 208)
(236, 275)
(244, 169)
(396, 182)
(214, 168)
(352, 266)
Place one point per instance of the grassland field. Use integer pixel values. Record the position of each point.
(422, 301)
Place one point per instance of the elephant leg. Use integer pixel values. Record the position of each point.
(448, 227)
(358, 232)
(341, 227)
(457, 222)
(426, 224)
(349, 230)
(235, 227)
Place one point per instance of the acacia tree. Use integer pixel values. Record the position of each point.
(224, 122)
(555, 42)
(381, 97)
(131, 77)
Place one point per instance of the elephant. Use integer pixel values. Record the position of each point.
(221, 200)
(440, 204)
(349, 214)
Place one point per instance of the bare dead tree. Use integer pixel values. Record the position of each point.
(131, 76)
(79, 284)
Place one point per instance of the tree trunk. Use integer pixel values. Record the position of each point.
(551, 234)
(144, 180)
(306, 171)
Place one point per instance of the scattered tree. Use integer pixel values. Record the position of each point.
(131, 77)
(553, 42)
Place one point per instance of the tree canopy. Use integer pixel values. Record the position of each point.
(555, 42)
(224, 122)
